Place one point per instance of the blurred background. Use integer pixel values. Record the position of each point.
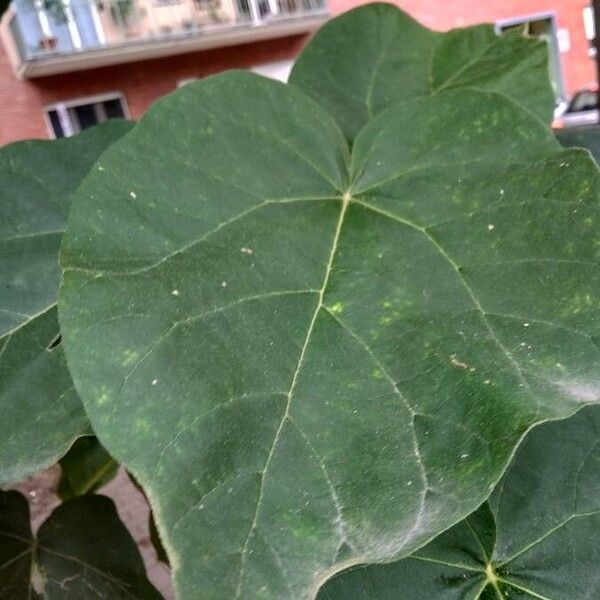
(68, 64)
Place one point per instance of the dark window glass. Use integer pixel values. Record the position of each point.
(86, 115)
(56, 126)
(83, 116)
(114, 109)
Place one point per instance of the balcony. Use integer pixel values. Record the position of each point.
(45, 37)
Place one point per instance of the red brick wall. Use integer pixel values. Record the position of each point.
(21, 102)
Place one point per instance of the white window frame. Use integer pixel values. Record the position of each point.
(71, 103)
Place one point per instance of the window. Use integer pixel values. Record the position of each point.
(542, 26)
(68, 118)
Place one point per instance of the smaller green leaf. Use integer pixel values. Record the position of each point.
(373, 57)
(537, 537)
(86, 467)
(82, 551)
(41, 412)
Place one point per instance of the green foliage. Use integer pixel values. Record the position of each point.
(313, 320)
(121, 10)
(86, 467)
(376, 56)
(311, 365)
(41, 413)
(81, 551)
(537, 537)
(57, 8)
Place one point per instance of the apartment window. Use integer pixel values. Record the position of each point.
(542, 25)
(68, 118)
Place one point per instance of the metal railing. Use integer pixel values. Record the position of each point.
(50, 27)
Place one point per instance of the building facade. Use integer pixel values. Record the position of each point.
(68, 64)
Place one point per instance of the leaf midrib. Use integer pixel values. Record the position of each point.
(286, 415)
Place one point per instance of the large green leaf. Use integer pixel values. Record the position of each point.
(375, 56)
(41, 413)
(537, 537)
(81, 551)
(311, 360)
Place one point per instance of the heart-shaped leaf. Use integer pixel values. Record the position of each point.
(375, 56)
(536, 538)
(41, 413)
(81, 551)
(311, 360)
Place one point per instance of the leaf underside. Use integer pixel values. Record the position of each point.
(536, 538)
(41, 413)
(375, 56)
(312, 359)
(81, 551)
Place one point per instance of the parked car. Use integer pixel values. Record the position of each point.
(582, 109)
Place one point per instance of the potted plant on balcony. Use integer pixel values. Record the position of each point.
(56, 8)
(121, 11)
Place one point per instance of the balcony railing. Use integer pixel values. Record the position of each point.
(52, 36)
